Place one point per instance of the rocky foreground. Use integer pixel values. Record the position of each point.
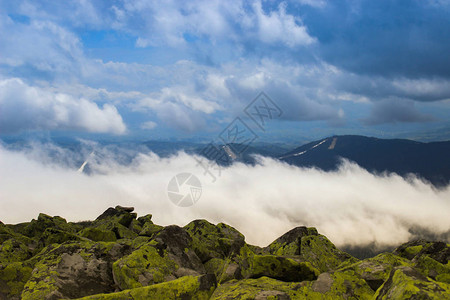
(120, 256)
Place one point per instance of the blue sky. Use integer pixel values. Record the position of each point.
(175, 69)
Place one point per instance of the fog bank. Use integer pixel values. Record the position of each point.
(350, 206)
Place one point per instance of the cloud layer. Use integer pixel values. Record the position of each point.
(351, 206)
(191, 66)
(30, 108)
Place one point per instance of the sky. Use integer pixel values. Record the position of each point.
(185, 70)
(139, 69)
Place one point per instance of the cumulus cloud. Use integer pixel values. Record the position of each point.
(217, 56)
(26, 107)
(351, 206)
(178, 109)
(54, 49)
(157, 23)
(278, 26)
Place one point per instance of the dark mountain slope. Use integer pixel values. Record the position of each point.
(430, 161)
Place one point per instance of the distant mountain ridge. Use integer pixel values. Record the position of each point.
(430, 161)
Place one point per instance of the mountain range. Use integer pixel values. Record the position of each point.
(429, 161)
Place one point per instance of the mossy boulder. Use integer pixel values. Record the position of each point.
(49, 258)
(36, 228)
(408, 283)
(327, 287)
(165, 257)
(73, 270)
(323, 254)
(432, 268)
(281, 268)
(261, 288)
(57, 236)
(119, 221)
(120, 214)
(224, 269)
(143, 267)
(150, 229)
(214, 241)
(307, 244)
(187, 287)
(375, 270)
(290, 242)
(13, 277)
(338, 285)
(13, 250)
(97, 234)
(439, 251)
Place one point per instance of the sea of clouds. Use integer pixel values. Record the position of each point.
(351, 206)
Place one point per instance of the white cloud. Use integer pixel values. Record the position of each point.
(422, 89)
(41, 45)
(149, 125)
(277, 26)
(314, 3)
(166, 23)
(179, 107)
(350, 206)
(27, 107)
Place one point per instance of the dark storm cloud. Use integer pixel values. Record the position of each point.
(394, 111)
(389, 38)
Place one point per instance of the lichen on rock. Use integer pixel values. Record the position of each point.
(120, 256)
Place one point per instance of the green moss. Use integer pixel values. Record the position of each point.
(307, 245)
(406, 283)
(13, 250)
(13, 278)
(41, 283)
(349, 284)
(142, 267)
(57, 236)
(250, 288)
(97, 234)
(123, 224)
(430, 267)
(210, 241)
(145, 219)
(281, 268)
(216, 266)
(265, 288)
(45, 279)
(288, 244)
(37, 227)
(139, 241)
(322, 254)
(375, 270)
(149, 229)
(445, 278)
(187, 287)
(9, 273)
(413, 250)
